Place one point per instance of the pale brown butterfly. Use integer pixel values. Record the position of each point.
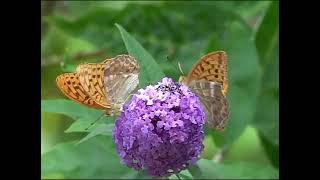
(106, 85)
(208, 78)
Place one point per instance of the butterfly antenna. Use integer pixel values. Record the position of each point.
(94, 122)
(179, 65)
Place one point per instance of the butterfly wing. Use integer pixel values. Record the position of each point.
(70, 85)
(215, 102)
(211, 67)
(91, 76)
(102, 85)
(121, 78)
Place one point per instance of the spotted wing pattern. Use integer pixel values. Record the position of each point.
(91, 76)
(70, 85)
(211, 67)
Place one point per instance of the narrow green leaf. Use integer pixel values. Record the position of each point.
(78, 126)
(101, 129)
(87, 126)
(84, 116)
(149, 68)
(69, 108)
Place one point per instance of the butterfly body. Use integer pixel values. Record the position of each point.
(208, 78)
(104, 85)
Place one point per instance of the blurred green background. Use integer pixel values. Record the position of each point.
(73, 32)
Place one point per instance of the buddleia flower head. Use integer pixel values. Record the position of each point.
(160, 129)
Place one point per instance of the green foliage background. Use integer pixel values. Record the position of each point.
(161, 34)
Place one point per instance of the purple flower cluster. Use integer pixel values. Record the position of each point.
(161, 129)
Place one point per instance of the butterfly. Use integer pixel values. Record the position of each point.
(208, 78)
(105, 85)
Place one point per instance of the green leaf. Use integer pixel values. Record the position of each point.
(78, 126)
(89, 125)
(150, 71)
(69, 108)
(268, 33)
(101, 129)
(93, 159)
(207, 169)
(84, 116)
